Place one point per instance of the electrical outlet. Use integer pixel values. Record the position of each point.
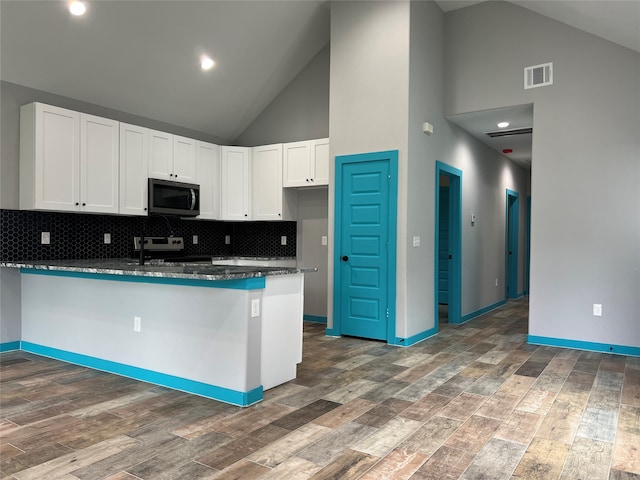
(416, 241)
(283, 240)
(496, 282)
(195, 239)
(255, 307)
(107, 238)
(45, 238)
(324, 240)
(227, 239)
(137, 324)
(597, 309)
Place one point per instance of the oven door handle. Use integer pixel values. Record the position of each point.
(193, 199)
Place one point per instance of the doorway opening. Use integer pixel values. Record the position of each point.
(511, 245)
(448, 245)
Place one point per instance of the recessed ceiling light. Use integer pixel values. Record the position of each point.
(206, 63)
(77, 8)
(503, 124)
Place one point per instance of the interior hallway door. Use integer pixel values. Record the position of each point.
(366, 199)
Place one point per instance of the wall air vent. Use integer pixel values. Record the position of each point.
(509, 133)
(538, 75)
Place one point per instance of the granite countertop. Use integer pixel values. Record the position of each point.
(127, 266)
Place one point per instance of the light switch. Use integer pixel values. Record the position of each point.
(473, 219)
(416, 241)
(324, 240)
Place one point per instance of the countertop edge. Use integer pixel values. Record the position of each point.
(205, 272)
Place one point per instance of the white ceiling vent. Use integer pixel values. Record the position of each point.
(538, 76)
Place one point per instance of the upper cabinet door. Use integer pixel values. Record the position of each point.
(296, 164)
(49, 158)
(99, 140)
(208, 177)
(235, 183)
(266, 188)
(134, 156)
(184, 159)
(160, 155)
(320, 161)
(306, 164)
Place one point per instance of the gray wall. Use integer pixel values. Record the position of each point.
(312, 226)
(368, 103)
(485, 177)
(299, 112)
(14, 96)
(10, 307)
(585, 245)
(386, 80)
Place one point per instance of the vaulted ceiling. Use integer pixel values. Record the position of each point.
(142, 57)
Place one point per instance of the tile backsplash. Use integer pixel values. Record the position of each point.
(77, 235)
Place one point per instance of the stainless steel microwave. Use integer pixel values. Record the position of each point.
(174, 198)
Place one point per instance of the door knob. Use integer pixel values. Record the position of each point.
(345, 258)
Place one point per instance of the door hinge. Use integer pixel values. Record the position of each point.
(387, 313)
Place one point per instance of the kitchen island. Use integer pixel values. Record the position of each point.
(226, 332)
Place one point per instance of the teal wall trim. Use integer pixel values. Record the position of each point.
(8, 346)
(332, 332)
(407, 342)
(582, 345)
(482, 311)
(520, 294)
(254, 283)
(214, 392)
(314, 319)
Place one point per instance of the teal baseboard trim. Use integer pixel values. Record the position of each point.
(519, 295)
(234, 397)
(332, 332)
(582, 345)
(482, 311)
(254, 283)
(9, 346)
(314, 319)
(407, 342)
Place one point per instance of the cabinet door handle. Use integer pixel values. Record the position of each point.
(77, 203)
(84, 204)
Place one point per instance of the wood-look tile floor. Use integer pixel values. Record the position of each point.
(474, 402)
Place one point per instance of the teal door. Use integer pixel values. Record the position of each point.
(443, 247)
(365, 245)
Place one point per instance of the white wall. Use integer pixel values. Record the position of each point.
(585, 245)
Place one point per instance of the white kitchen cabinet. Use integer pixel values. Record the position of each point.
(160, 155)
(184, 159)
(235, 183)
(49, 158)
(134, 159)
(99, 154)
(306, 163)
(208, 170)
(68, 160)
(172, 157)
(269, 201)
